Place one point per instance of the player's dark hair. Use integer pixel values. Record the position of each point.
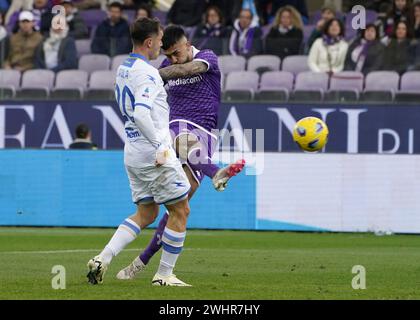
(82, 131)
(172, 35)
(115, 5)
(144, 28)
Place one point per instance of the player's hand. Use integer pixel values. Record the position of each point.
(162, 154)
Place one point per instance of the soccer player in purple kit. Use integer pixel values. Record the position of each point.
(193, 82)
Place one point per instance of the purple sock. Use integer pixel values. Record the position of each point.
(199, 162)
(155, 244)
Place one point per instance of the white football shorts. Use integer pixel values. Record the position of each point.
(163, 185)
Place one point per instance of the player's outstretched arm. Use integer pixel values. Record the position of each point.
(183, 70)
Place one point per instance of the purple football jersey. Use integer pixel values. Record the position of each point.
(196, 98)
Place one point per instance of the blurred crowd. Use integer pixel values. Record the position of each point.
(31, 36)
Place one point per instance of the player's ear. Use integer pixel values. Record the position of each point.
(149, 42)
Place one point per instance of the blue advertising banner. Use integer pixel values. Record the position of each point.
(353, 128)
(91, 189)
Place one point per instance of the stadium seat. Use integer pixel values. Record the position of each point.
(242, 80)
(263, 63)
(83, 47)
(350, 95)
(117, 61)
(104, 79)
(71, 79)
(100, 94)
(295, 64)
(265, 30)
(38, 78)
(130, 15)
(66, 94)
(313, 95)
(237, 95)
(161, 15)
(273, 96)
(316, 16)
(377, 96)
(229, 64)
(93, 17)
(94, 62)
(310, 87)
(307, 31)
(407, 96)
(382, 80)
(7, 92)
(309, 80)
(347, 80)
(32, 94)
(411, 81)
(156, 63)
(10, 78)
(274, 80)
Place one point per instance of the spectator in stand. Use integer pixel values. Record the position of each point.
(285, 37)
(228, 8)
(400, 52)
(269, 8)
(144, 11)
(58, 51)
(402, 10)
(187, 13)
(3, 40)
(83, 138)
(327, 13)
(76, 24)
(245, 39)
(41, 11)
(22, 44)
(417, 20)
(212, 33)
(112, 37)
(366, 54)
(328, 53)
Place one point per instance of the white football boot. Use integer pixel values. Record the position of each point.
(171, 281)
(130, 272)
(222, 176)
(97, 270)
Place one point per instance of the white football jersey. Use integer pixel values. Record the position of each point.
(139, 85)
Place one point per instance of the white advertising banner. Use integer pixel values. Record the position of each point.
(339, 192)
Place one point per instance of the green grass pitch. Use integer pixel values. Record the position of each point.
(219, 265)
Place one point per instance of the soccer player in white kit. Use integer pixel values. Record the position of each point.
(155, 174)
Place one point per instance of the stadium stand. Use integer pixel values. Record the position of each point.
(260, 77)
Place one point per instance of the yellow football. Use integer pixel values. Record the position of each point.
(311, 134)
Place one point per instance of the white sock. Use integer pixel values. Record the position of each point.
(126, 233)
(172, 243)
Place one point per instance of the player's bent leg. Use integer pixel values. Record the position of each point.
(198, 157)
(140, 262)
(190, 149)
(172, 244)
(125, 234)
